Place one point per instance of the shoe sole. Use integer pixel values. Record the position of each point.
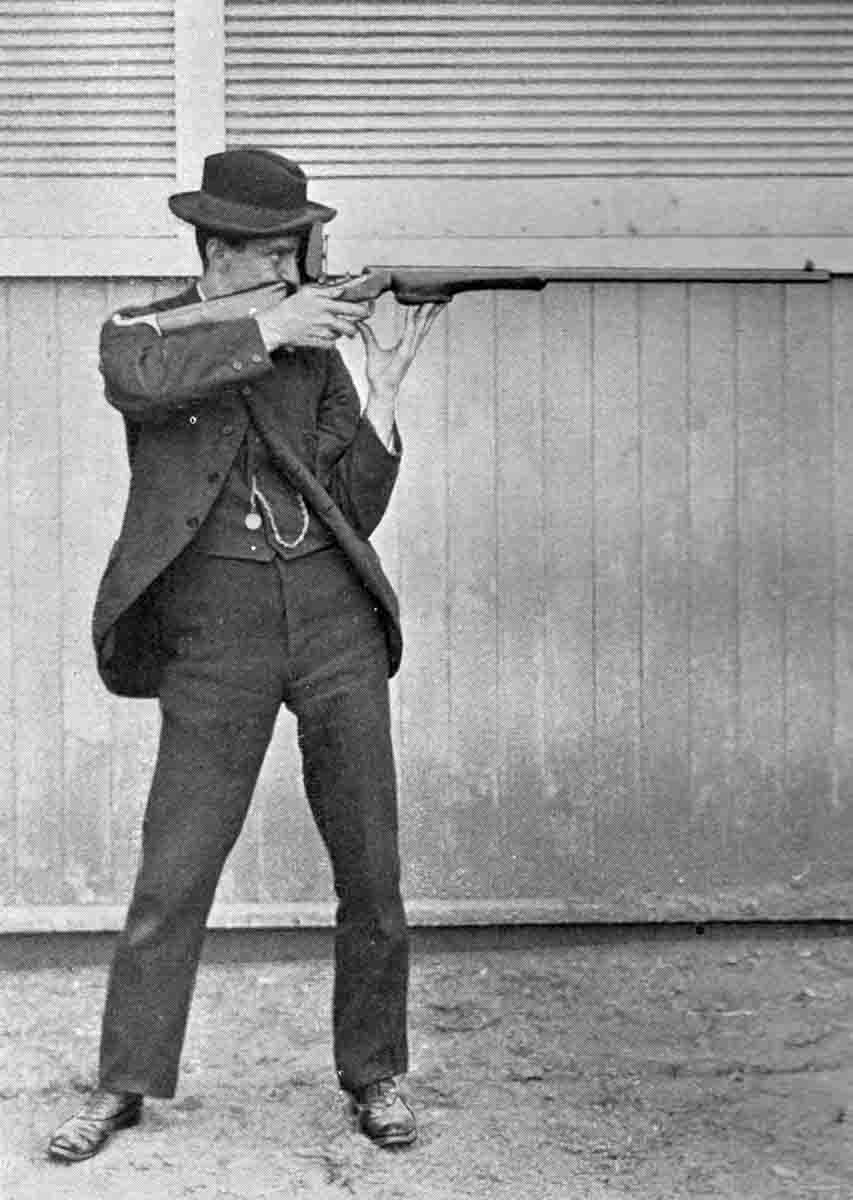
(393, 1140)
(63, 1154)
(389, 1140)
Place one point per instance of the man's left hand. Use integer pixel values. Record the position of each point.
(386, 366)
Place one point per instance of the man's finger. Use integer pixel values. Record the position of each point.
(426, 316)
(418, 321)
(356, 310)
(343, 327)
(408, 342)
(367, 334)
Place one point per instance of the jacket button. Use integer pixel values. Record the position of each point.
(246, 389)
(237, 365)
(193, 420)
(192, 522)
(227, 430)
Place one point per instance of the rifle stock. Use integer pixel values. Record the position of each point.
(438, 285)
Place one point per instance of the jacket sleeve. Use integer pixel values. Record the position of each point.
(150, 377)
(354, 466)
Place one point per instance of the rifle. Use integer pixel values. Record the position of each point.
(438, 285)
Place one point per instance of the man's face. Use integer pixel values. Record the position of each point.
(261, 260)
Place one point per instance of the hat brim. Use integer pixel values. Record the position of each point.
(244, 220)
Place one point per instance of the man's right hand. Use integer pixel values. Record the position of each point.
(313, 316)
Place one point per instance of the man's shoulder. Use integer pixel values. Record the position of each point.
(187, 296)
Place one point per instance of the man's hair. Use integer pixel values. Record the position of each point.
(236, 241)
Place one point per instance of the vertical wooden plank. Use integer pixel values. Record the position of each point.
(34, 473)
(86, 497)
(279, 836)
(135, 723)
(842, 370)
(473, 615)
(199, 89)
(387, 325)
(8, 783)
(618, 529)
(388, 539)
(714, 574)
(136, 727)
(809, 571)
(426, 805)
(569, 698)
(520, 592)
(278, 842)
(665, 775)
(761, 582)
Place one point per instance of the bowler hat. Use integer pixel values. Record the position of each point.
(248, 192)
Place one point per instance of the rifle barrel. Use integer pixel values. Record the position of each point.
(422, 285)
(417, 285)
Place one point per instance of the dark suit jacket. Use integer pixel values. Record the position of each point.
(184, 402)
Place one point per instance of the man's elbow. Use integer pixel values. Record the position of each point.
(139, 399)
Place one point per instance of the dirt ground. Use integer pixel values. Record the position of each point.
(675, 1064)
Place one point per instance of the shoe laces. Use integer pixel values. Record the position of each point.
(102, 1104)
(381, 1093)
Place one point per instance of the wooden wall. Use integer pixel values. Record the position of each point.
(622, 540)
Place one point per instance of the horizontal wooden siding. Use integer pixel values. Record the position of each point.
(560, 88)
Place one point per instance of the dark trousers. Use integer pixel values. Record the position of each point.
(243, 638)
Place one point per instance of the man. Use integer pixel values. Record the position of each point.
(226, 595)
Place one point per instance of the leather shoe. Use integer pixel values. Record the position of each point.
(383, 1115)
(87, 1131)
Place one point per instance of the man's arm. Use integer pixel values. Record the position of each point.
(150, 377)
(387, 367)
(353, 464)
(364, 475)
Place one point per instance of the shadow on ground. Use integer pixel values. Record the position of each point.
(585, 1065)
